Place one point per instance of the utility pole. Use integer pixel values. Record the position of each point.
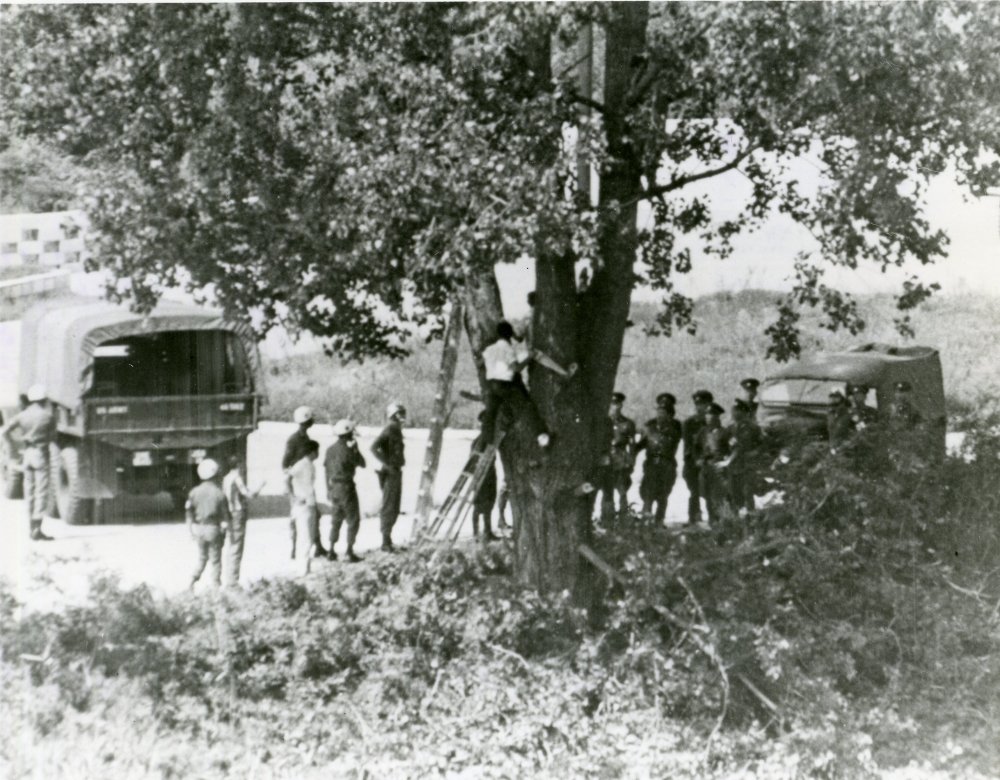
(432, 455)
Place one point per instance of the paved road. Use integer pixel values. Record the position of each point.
(143, 540)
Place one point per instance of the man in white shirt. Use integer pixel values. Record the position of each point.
(302, 484)
(504, 359)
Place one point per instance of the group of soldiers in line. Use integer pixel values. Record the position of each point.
(719, 461)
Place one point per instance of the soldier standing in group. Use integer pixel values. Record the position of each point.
(37, 426)
(660, 438)
(237, 499)
(206, 513)
(305, 510)
(862, 416)
(388, 449)
(745, 439)
(903, 414)
(690, 435)
(486, 493)
(839, 426)
(750, 386)
(295, 449)
(620, 460)
(713, 448)
(341, 460)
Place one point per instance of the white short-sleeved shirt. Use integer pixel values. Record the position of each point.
(501, 357)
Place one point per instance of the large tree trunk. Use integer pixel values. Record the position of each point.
(552, 515)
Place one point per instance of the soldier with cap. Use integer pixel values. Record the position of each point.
(745, 440)
(839, 426)
(618, 460)
(691, 434)
(750, 386)
(903, 413)
(206, 513)
(660, 438)
(37, 427)
(713, 449)
(388, 450)
(342, 459)
(486, 493)
(863, 416)
(296, 447)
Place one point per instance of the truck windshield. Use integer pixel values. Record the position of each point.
(786, 392)
(171, 364)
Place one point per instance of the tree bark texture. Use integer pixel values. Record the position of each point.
(552, 517)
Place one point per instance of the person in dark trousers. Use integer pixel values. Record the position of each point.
(388, 450)
(296, 448)
(37, 427)
(234, 488)
(504, 359)
(745, 440)
(660, 438)
(486, 494)
(207, 515)
(617, 475)
(690, 435)
(713, 449)
(750, 386)
(341, 461)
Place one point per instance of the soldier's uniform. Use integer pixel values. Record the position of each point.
(342, 459)
(237, 497)
(750, 386)
(839, 425)
(388, 449)
(296, 448)
(37, 426)
(691, 436)
(713, 448)
(745, 440)
(486, 494)
(903, 415)
(660, 439)
(207, 512)
(621, 461)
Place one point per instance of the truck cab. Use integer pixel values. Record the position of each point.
(139, 399)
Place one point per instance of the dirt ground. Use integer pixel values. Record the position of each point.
(143, 540)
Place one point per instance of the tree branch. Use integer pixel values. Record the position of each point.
(683, 181)
(589, 102)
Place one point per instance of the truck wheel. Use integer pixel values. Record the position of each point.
(73, 508)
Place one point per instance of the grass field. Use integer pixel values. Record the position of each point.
(729, 345)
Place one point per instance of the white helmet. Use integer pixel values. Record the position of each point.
(302, 415)
(343, 427)
(36, 393)
(207, 469)
(394, 408)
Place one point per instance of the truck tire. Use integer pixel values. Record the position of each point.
(73, 508)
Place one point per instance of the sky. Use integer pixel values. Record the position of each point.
(765, 259)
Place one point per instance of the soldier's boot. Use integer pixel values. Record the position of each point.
(350, 557)
(36, 532)
(387, 543)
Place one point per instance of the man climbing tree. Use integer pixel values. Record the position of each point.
(346, 170)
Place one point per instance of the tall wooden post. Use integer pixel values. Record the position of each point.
(432, 455)
(585, 86)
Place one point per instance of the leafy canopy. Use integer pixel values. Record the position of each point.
(344, 168)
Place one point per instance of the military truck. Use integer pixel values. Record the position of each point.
(140, 400)
(794, 401)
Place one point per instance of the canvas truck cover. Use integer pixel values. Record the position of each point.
(879, 366)
(59, 337)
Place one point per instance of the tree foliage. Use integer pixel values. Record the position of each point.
(344, 167)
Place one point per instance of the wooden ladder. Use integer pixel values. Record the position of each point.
(447, 522)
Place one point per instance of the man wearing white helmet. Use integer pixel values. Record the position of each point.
(207, 515)
(296, 448)
(388, 449)
(37, 426)
(341, 460)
